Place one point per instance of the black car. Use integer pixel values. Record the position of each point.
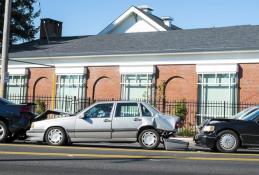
(227, 135)
(15, 120)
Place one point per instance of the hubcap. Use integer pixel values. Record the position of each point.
(2, 132)
(55, 136)
(228, 141)
(149, 139)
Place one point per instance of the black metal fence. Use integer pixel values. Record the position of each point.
(193, 112)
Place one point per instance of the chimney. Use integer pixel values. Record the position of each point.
(146, 9)
(167, 21)
(50, 29)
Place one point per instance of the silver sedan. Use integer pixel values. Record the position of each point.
(120, 121)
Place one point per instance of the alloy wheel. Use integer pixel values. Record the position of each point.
(55, 136)
(149, 139)
(228, 141)
(2, 132)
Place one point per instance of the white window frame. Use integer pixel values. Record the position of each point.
(230, 84)
(22, 85)
(81, 88)
(149, 84)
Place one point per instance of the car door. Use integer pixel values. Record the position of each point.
(250, 133)
(256, 130)
(95, 123)
(126, 121)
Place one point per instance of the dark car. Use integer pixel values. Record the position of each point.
(227, 135)
(15, 120)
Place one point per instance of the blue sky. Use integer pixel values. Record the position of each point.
(83, 17)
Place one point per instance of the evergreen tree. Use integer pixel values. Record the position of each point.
(22, 25)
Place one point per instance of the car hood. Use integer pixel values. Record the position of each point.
(213, 121)
(166, 122)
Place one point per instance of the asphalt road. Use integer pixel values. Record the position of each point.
(28, 159)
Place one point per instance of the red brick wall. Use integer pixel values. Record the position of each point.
(183, 83)
(43, 78)
(107, 80)
(249, 83)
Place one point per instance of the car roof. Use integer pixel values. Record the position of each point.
(121, 101)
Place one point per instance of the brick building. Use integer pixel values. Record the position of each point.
(135, 56)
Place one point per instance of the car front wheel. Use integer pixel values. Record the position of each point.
(149, 139)
(56, 136)
(3, 132)
(228, 141)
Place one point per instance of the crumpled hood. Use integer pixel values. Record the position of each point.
(166, 122)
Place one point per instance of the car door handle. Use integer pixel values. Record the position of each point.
(107, 120)
(137, 119)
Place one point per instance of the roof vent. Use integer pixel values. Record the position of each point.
(146, 8)
(167, 21)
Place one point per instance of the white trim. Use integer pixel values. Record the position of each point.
(231, 57)
(70, 70)
(134, 55)
(131, 10)
(137, 69)
(217, 68)
(16, 71)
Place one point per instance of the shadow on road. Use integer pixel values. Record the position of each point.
(135, 146)
(118, 160)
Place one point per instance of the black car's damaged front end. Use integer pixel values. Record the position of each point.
(206, 136)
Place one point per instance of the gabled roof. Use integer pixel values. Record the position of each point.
(234, 38)
(159, 21)
(150, 18)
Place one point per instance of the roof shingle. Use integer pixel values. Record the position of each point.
(191, 40)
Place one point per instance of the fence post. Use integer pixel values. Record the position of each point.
(74, 104)
(65, 103)
(224, 109)
(163, 105)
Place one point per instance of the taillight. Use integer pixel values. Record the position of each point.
(177, 125)
(25, 109)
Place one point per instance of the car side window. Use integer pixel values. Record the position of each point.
(127, 110)
(99, 111)
(145, 111)
(252, 116)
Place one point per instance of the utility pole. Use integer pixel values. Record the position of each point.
(5, 48)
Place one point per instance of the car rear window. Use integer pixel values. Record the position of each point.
(5, 102)
(145, 111)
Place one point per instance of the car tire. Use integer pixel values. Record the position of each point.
(228, 141)
(149, 139)
(3, 132)
(10, 139)
(56, 136)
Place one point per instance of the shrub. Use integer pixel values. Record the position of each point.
(186, 132)
(40, 107)
(180, 110)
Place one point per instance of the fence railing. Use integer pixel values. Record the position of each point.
(194, 112)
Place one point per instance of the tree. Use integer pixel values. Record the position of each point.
(22, 17)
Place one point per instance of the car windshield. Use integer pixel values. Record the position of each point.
(243, 115)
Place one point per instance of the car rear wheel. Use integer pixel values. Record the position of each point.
(3, 132)
(56, 136)
(228, 141)
(149, 139)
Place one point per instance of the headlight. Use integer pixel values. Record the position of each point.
(32, 125)
(208, 128)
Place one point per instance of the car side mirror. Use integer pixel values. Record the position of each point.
(81, 116)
